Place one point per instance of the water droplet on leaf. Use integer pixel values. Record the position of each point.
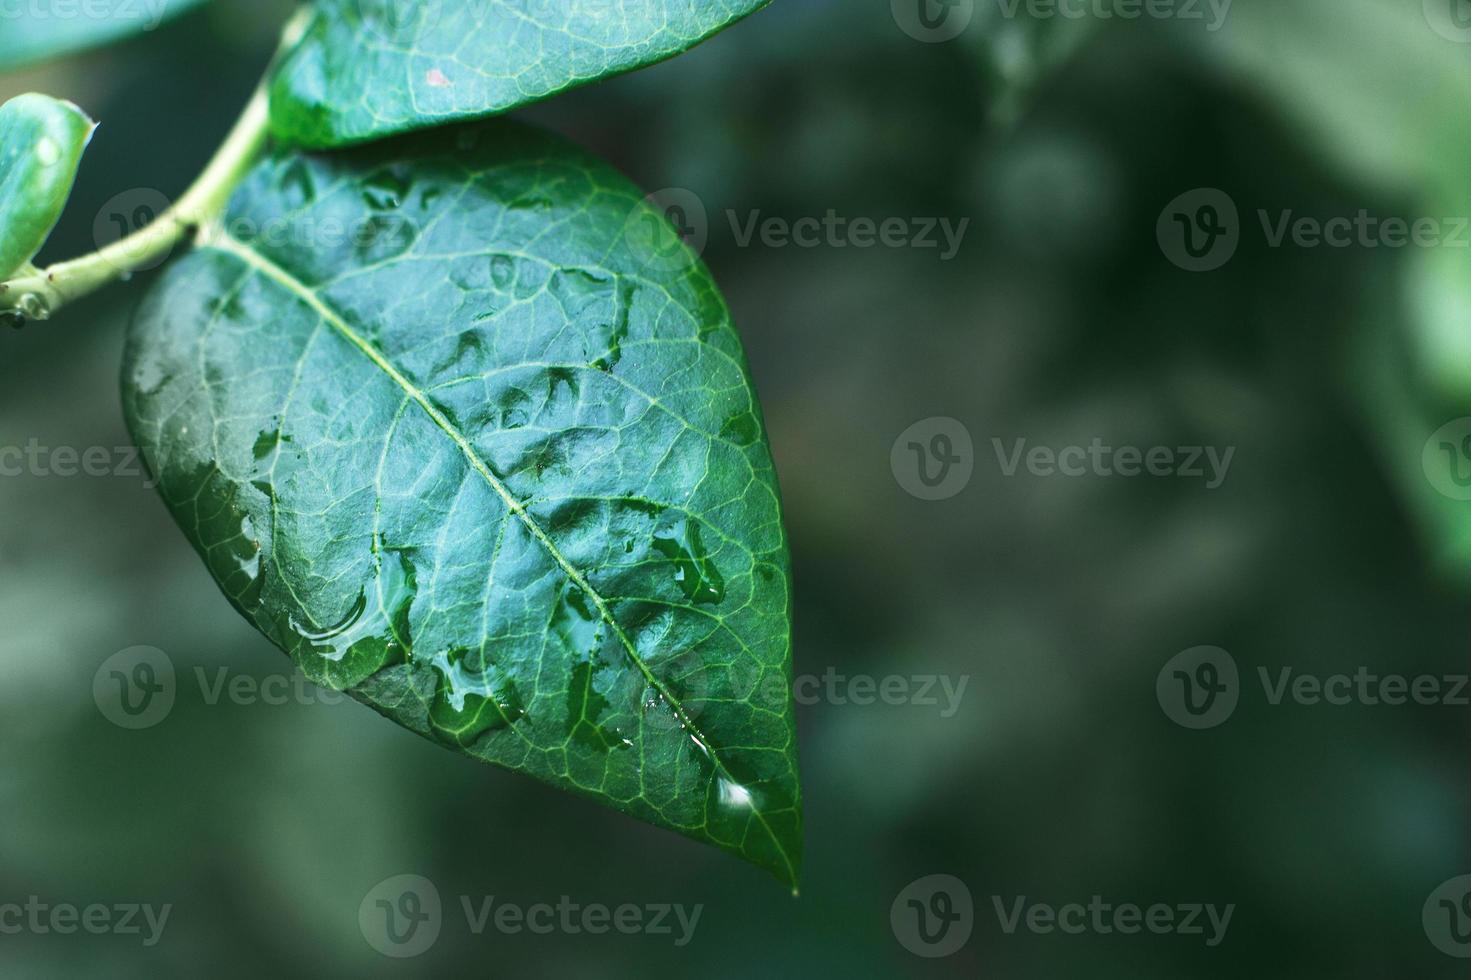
(472, 697)
(47, 151)
(694, 572)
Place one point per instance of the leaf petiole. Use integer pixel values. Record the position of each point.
(36, 294)
(43, 292)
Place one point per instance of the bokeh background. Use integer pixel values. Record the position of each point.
(1328, 547)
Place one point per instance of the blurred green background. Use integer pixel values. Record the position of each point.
(1061, 319)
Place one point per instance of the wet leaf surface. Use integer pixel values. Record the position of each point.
(428, 62)
(41, 144)
(450, 425)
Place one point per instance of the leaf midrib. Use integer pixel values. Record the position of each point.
(223, 242)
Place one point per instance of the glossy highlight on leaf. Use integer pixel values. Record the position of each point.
(445, 434)
(41, 144)
(366, 69)
(40, 29)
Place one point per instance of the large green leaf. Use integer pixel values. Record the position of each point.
(41, 144)
(371, 68)
(454, 430)
(38, 29)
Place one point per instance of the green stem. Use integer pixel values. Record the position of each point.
(38, 293)
(45, 291)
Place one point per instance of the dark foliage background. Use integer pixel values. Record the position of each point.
(1060, 320)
